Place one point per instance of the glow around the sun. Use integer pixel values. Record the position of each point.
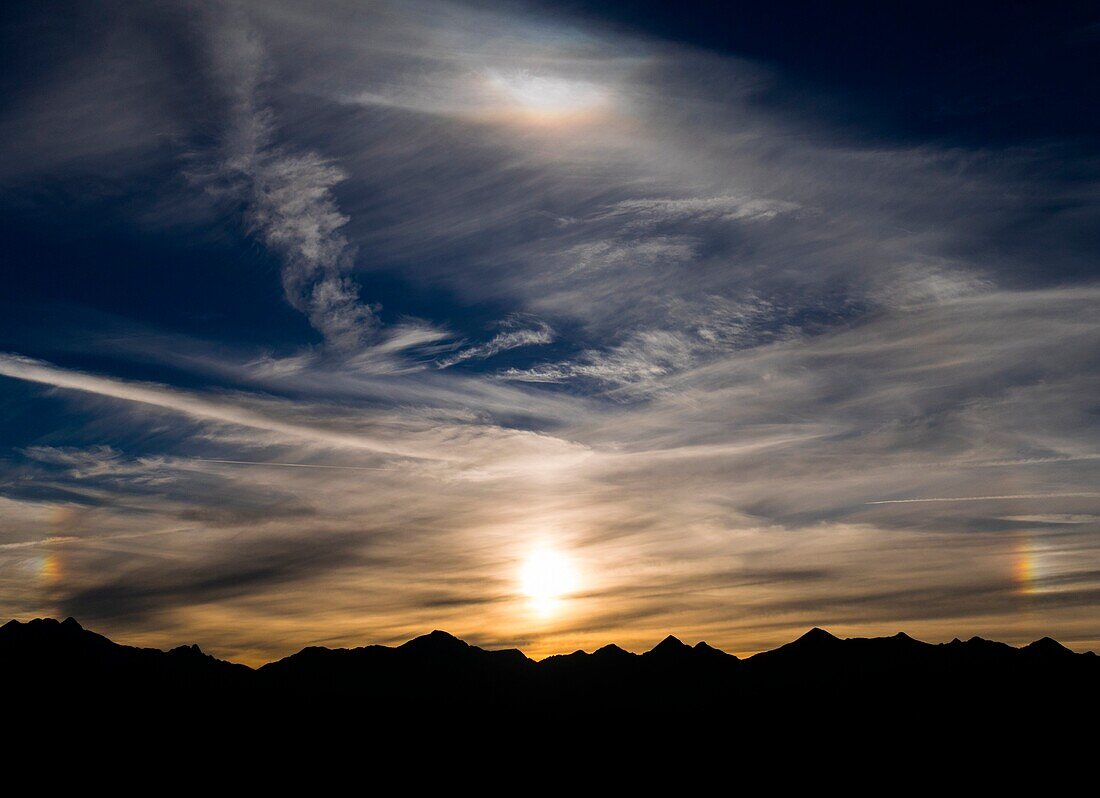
(546, 577)
(546, 98)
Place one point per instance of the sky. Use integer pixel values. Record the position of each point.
(549, 324)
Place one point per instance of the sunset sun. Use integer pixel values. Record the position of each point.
(545, 578)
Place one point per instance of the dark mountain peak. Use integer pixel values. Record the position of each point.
(817, 636)
(670, 646)
(314, 650)
(436, 642)
(45, 623)
(611, 650)
(1046, 646)
(12, 628)
(980, 647)
(815, 643)
(510, 654)
(901, 643)
(439, 634)
(706, 652)
(35, 623)
(983, 642)
(51, 631)
(188, 651)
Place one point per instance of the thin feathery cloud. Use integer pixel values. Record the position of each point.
(513, 336)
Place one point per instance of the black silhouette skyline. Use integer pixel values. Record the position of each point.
(439, 670)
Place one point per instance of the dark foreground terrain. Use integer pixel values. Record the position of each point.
(46, 659)
(437, 712)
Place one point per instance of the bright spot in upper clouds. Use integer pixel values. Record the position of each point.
(546, 577)
(547, 98)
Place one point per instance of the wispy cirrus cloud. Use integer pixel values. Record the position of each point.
(287, 193)
(643, 213)
(513, 336)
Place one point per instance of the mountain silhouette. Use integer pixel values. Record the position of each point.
(71, 658)
(669, 649)
(438, 670)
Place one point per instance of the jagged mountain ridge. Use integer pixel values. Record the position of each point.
(440, 668)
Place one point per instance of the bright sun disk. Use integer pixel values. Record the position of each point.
(546, 577)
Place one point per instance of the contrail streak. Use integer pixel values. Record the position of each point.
(989, 498)
(288, 465)
(193, 405)
(30, 544)
(1069, 458)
